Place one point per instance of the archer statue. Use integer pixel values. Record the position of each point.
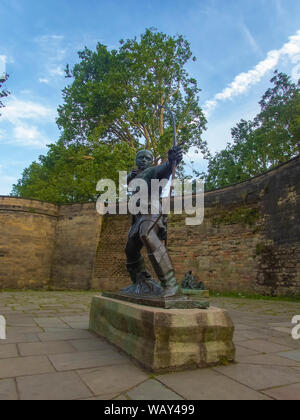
(149, 230)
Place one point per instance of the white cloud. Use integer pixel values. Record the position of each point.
(56, 71)
(22, 119)
(26, 135)
(47, 38)
(250, 39)
(54, 54)
(17, 110)
(244, 81)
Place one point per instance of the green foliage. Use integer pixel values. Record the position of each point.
(70, 174)
(260, 247)
(115, 96)
(245, 295)
(242, 215)
(3, 92)
(259, 145)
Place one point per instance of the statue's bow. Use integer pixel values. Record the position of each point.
(173, 163)
(174, 142)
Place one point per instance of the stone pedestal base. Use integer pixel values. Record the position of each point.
(180, 301)
(165, 339)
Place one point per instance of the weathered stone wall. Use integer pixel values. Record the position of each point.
(77, 237)
(249, 241)
(27, 233)
(43, 245)
(110, 265)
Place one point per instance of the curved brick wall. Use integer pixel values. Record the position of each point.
(249, 241)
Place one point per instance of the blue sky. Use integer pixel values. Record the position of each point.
(238, 45)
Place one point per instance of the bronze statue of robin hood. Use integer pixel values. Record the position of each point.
(149, 230)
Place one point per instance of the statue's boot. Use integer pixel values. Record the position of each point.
(163, 268)
(134, 268)
(142, 282)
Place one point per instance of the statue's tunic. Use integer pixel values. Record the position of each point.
(156, 172)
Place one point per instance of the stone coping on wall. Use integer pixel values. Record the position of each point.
(8, 203)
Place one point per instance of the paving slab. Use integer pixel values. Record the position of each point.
(272, 332)
(8, 351)
(49, 347)
(238, 327)
(104, 397)
(91, 344)
(252, 334)
(286, 393)
(113, 379)
(207, 384)
(53, 386)
(51, 322)
(63, 318)
(24, 329)
(76, 318)
(20, 338)
(79, 325)
(268, 359)
(57, 330)
(247, 335)
(8, 390)
(293, 355)
(65, 335)
(286, 330)
(86, 360)
(20, 321)
(122, 397)
(243, 352)
(281, 324)
(260, 377)
(152, 390)
(21, 366)
(263, 346)
(286, 341)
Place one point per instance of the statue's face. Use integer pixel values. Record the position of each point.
(144, 159)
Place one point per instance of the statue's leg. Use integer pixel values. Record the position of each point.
(159, 258)
(135, 262)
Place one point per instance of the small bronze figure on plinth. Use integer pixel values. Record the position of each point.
(190, 282)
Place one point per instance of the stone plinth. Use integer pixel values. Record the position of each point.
(195, 293)
(179, 301)
(165, 339)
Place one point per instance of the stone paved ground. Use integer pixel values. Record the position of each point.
(50, 354)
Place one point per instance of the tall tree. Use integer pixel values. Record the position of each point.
(70, 174)
(3, 92)
(115, 96)
(259, 145)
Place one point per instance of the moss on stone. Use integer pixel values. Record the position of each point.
(260, 247)
(240, 215)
